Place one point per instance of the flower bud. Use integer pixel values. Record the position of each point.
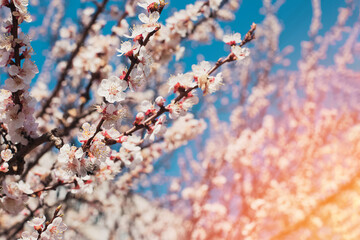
(139, 117)
(160, 101)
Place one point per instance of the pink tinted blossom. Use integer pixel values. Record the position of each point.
(113, 89)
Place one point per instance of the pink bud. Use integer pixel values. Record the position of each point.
(139, 117)
(160, 101)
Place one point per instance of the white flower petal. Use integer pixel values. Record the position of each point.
(143, 18)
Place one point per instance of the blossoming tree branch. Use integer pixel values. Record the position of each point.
(86, 114)
(153, 119)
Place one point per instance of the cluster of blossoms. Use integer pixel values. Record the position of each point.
(112, 89)
(16, 194)
(273, 163)
(104, 144)
(182, 22)
(17, 105)
(6, 155)
(206, 83)
(182, 83)
(21, 9)
(94, 154)
(53, 229)
(136, 51)
(233, 40)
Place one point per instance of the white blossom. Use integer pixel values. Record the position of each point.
(6, 155)
(150, 23)
(240, 52)
(232, 39)
(113, 89)
(55, 230)
(126, 48)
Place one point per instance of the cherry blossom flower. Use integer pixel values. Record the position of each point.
(189, 101)
(201, 75)
(16, 119)
(112, 133)
(23, 16)
(181, 81)
(6, 155)
(15, 197)
(24, 39)
(86, 15)
(193, 11)
(6, 42)
(15, 84)
(4, 57)
(232, 39)
(150, 23)
(62, 48)
(113, 89)
(136, 32)
(83, 186)
(180, 108)
(26, 73)
(130, 153)
(145, 62)
(24, 187)
(151, 4)
(87, 132)
(37, 223)
(5, 98)
(112, 114)
(178, 24)
(72, 161)
(157, 130)
(67, 153)
(214, 83)
(21, 77)
(201, 69)
(21, 5)
(136, 79)
(214, 4)
(108, 170)
(148, 108)
(240, 52)
(4, 167)
(176, 110)
(55, 230)
(100, 151)
(127, 49)
(64, 153)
